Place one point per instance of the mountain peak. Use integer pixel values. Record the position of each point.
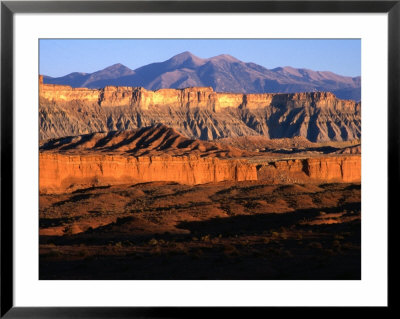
(116, 66)
(288, 70)
(113, 71)
(224, 57)
(186, 57)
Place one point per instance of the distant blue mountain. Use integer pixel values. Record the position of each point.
(223, 73)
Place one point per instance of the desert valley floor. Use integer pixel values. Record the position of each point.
(287, 219)
(161, 230)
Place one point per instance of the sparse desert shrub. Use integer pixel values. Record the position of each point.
(153, 242)
(299, 236)
(245, 243)
(275, 234)
(118, 244)
(231, 250)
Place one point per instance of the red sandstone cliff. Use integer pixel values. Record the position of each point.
(156, 153)
(159, 153)
(336, 168)
(58, 173)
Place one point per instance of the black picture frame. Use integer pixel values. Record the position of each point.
(9, 8)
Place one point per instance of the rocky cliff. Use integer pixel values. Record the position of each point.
(197, 113)
(59, 172)
(159, 153)
(337, 168)
(155, 153)
(63, 172)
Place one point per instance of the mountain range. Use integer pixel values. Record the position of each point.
(224, 73)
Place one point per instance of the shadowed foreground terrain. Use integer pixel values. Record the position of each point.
(225, 230)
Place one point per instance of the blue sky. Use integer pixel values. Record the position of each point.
(63, 56)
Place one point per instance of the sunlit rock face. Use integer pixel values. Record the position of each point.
(62, 173)
(58, 172)
(150, 154)
(322, 169)
(197, 112)
(160, 153)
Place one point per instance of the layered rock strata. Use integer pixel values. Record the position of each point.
(197, 112)
(62, 172)
(321, 169)
(59, 172)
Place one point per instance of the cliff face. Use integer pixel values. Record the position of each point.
(197, 113)
(323, 169)
(159, 153)
(59, 172)
(195, 97)
(343, 169)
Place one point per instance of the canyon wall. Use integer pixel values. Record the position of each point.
(194, 97)
(197, 113)
(62, 172)
(341, 168)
